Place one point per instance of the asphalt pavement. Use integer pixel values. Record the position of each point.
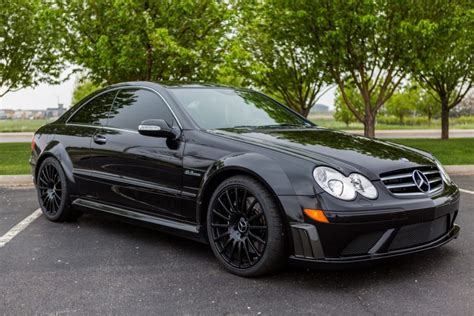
(101, 266)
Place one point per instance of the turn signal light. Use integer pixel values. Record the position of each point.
(33, 144)
(317, 215)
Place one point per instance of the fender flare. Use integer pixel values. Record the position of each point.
(56, 150)
(268, 172)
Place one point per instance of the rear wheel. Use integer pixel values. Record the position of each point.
(245, 229)
(52, 192)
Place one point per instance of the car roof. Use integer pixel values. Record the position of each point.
(171, 84)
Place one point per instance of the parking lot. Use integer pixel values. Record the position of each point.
(98, 265)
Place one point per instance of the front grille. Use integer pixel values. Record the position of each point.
(420, 233)
(401, 182)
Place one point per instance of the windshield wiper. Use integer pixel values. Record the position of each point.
(244, 127)
(269, 126)
(283, 125)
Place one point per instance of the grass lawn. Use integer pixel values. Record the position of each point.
(21, 125)
(455, 151)
(14, 158)
(436, 124)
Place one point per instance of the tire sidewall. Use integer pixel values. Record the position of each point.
(274, 230)
(65, 200)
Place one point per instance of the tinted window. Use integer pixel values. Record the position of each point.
(132, 106)
(95, 111)
(226, 108)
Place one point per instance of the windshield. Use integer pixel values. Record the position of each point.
(216, 108)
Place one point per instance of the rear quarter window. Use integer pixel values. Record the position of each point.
(96, 111)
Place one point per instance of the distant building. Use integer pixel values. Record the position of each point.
(55, 112)
(6, 114)
(320, 108)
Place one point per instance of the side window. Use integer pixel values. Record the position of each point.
(95, 111)
(132, 106)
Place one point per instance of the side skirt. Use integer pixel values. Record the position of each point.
(166, 224)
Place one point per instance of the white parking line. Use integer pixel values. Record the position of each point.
(466, 191)
(18, 228)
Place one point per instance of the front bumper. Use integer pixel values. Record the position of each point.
(309, 251)
(364, 234)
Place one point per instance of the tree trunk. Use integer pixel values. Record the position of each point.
(305, 111)
(429, 118)
(149, 62)
(369, 125)
(444, 118)
(400, 117)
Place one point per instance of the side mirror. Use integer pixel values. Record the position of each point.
(157, 128)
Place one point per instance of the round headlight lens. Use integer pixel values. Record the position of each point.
(334, 183)
(363, 186)
(344, 188)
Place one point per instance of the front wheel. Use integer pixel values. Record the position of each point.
(52, 192)
(245, 229)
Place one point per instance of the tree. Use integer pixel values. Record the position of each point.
(145, 40)
(264, 52)
(364, 44)
(29, 40)
(445, 61)
(403, 102)
(466, 107)
(82, 88)
(342, 112)
(427, 105)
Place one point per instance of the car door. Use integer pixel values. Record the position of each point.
(133, 171)
(76, 136)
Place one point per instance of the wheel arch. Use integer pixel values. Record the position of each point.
(243, 164)
(57, 151)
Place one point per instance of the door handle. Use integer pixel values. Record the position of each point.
(99, 139)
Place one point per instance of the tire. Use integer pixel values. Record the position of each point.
(53, 195)
(248, 238)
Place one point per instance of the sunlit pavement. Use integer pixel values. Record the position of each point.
(97, 265)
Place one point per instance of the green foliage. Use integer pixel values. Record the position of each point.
(264, 54)
(29, 41)
(145, 40)
(342, 112)
(363, 43)
(444, 44)
(427, 105)
(82, 89)
(404, 102)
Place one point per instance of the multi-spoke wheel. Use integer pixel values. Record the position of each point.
(52, 192)
(244, 227)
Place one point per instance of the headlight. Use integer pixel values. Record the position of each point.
(444, 173)
(344, 188)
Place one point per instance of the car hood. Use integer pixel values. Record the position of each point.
(340, 150)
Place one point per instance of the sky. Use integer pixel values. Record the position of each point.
(41, 97)
(47, 96)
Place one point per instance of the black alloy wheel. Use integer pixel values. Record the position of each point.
(240, 231)
(52, 192)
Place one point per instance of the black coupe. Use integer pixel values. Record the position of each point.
(238, 170)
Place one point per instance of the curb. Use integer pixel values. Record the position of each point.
(27, 180)
(16, 181)
(460, 170)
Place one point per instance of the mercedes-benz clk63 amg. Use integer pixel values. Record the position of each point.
(238, 170)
